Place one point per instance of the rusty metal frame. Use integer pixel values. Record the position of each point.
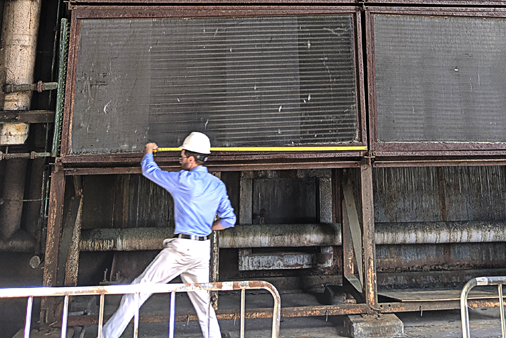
(461, 3)
(304, 311)
(279, 160)
(403, 149)
(219, 2)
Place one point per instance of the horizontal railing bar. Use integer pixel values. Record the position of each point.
(131, 289)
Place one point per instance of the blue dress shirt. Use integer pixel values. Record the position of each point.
(198, 197)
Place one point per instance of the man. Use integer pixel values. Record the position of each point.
(198, 198)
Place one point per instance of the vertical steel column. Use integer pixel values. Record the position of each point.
(68, 260)
(368, 241)
(54, 228)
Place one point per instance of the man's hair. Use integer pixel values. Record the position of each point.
(199, 158)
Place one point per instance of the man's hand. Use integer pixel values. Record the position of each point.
(217, 226)
(150, 147)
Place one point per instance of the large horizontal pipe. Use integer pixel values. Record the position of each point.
(440, 232)
(298, 235)
(246, 236)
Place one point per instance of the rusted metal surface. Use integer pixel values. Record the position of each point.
(353, 230)
(440, 11)
(234, 314)
(225, 2)
(306, 311)
(368, 240)
(113, 167)
(72, 234)
(54, 226)
(203, 11)
(460, 3)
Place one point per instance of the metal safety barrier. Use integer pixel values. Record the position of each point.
(464, 312)
(67, 292)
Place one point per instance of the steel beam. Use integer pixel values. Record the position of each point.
(54, 227)
(368, 240)
(29, 116)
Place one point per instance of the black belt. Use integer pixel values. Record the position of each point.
(193, 237)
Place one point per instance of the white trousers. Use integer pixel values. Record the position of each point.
(185, 257)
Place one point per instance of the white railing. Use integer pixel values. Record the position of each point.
(66, 292)
(464, 312)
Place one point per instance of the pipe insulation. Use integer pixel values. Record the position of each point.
(18, 53)
(19, 41)
(300, 235)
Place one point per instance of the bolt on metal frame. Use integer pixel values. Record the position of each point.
(30, 293)
(464, 312)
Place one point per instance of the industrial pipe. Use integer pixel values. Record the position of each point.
(440, 232)
(19, 242)
(299, 235)
(31, 155)
(18, 48)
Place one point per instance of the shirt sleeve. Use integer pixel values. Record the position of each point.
(226, 212)
(151, 171)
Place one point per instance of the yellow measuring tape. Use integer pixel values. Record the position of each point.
(343, 148)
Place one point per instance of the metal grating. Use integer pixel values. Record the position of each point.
(268, 81)
(440, 78)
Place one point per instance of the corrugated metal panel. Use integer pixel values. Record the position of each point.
(439, 194)
(268, 81)
(440, 257)
(285, 201)
(440, 78)
(125, 201)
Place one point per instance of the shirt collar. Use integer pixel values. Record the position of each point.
(200, 168)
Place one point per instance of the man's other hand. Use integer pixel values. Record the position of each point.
(150, 147)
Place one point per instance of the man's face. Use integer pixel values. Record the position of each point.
(186, 162)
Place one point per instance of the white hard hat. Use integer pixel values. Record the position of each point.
(197, 142)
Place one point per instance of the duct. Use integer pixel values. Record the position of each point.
(18, 46)
(299, 235)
